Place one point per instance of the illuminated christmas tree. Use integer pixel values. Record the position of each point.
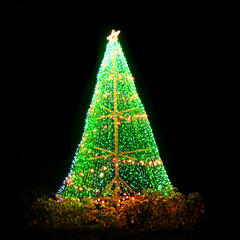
(118, 154)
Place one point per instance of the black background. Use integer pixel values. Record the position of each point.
(52, 55)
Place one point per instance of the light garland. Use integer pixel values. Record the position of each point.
(97, 167)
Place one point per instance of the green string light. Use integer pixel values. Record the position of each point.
(138, 160)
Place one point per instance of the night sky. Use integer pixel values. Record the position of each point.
(53, 54)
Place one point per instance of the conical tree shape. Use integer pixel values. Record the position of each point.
(118, 150)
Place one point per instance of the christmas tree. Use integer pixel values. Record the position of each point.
(118, 154)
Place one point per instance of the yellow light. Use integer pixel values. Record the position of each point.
(114, 36)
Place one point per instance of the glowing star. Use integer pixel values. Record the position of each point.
(114, 36)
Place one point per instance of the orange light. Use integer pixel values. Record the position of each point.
(105, 127)
(103, 201)
(92, 171)
(104, 168)
(81, 174)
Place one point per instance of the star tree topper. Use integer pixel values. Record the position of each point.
(114, 36)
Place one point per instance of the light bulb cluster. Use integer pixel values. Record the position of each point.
(93, 166)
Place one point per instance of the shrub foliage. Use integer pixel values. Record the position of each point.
(152, 212)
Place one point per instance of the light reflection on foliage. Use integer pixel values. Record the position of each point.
(154, 212)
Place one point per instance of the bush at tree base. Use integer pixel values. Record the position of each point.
(154, 212)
